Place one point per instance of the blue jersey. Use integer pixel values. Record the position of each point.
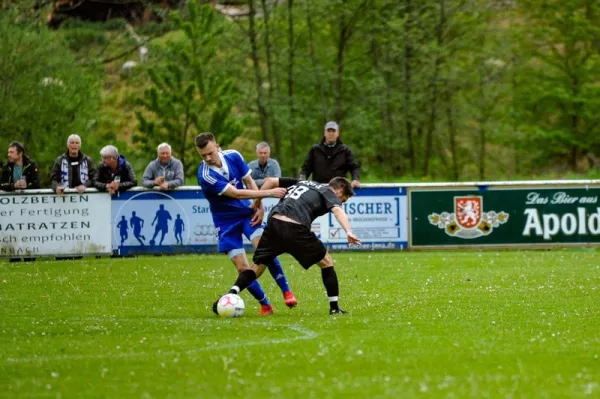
(214, 181)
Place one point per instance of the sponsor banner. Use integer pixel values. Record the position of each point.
(180, 221)
(376, 216)
(162, 222)
(505, 216)
(44, 224)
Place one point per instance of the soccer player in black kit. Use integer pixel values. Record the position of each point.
(289, 231)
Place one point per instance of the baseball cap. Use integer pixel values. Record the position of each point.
(332, 125)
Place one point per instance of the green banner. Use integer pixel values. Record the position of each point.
(498, 216)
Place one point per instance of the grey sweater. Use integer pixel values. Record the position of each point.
(172, 172)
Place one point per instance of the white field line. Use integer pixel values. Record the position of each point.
(303, 334)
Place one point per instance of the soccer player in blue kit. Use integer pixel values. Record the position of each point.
(220, 175)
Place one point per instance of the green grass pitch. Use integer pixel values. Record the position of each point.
(493, 324)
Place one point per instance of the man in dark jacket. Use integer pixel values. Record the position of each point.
(115, 174)
(330, 158)
(73, 169)
(20, 172)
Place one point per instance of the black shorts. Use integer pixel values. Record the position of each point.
(291, 238)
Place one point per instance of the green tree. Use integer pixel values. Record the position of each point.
(557, 92)
(189, 94)
(44, 94)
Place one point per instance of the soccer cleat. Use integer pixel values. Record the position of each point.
(337, 311)
(266, 310)
(289, 299)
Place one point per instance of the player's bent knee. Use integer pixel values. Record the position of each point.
(258, 269)
(240, 262)
(326, 262)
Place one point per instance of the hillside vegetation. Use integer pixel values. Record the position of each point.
(423, 90)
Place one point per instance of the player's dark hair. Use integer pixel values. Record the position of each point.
(344, 184)
(20, 148)
(204, 138)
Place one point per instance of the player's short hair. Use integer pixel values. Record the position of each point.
(204, 138)
(74, 136)
(344, 184)
(263, 144)
(18, 146)
(163, 145)
(109, 151)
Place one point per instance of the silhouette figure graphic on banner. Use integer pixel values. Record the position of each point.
(179, 228)
(161, 219)
(122, 226)
(137, 223)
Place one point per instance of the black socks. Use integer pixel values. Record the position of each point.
(244, 279)
(330, 281)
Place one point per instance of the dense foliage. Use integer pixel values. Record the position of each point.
(444, 89)
(44, 94)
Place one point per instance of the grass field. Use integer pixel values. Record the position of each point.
(430, 324)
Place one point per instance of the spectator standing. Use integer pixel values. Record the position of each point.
(330, 158)
(20, 172)
(73, 169)
(115, 174)
(264, 166)
(165, 172)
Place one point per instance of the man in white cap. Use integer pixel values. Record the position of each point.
(330, 158)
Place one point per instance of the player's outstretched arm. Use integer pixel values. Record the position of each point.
(342, 218)
(269, 183)
(285, 182)
(233, 192)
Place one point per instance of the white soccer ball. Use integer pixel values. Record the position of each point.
(230, 305)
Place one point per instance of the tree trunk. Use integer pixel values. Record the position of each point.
(340, 68)
(290, 82)
(451, 132)
(271, 101)
(346, 30)
(434, 91)
(482, 125)
(482, 142)
(184, 133)
(315, 63)
(406, 70)
(262, 111)
(574, 152)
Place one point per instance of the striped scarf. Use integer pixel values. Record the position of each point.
(64, 168)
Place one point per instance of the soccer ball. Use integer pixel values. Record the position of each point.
(230, 305)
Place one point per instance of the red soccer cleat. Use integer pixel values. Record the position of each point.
(289, 299)
(266, 310)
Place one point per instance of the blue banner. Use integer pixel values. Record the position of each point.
(150, 221)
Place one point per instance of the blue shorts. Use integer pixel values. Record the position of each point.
(230, 234)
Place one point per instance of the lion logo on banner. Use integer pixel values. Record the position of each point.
(468, 220)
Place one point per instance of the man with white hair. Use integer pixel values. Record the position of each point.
(73, 169)
(115, 174)
(165, 172)
(264, 166)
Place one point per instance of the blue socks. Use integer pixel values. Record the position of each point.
(277, 272)
(257, 292)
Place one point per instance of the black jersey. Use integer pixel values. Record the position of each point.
(305, 200)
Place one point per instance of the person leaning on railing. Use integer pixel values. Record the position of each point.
(165, 172)
(73, 169)
(264, 166)
(115, 174)
(20, 172)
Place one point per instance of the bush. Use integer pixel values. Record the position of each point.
(49, 95)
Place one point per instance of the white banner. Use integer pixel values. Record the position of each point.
(42, 224)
